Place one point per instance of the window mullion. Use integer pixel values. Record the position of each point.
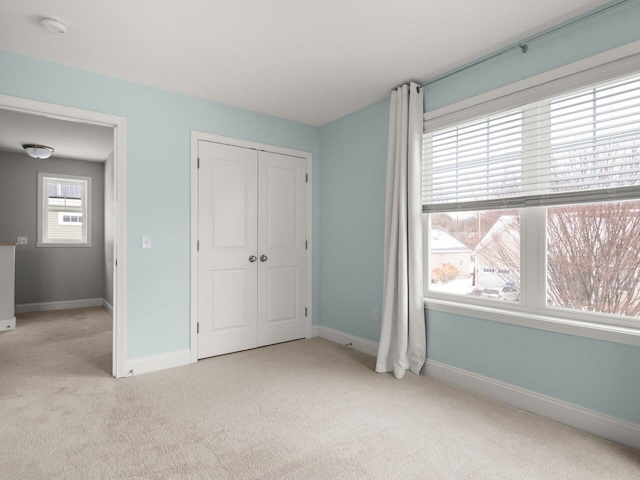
(533, 257)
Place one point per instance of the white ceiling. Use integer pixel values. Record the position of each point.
(307, 61)
(76, 141)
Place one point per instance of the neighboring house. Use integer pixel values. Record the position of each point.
(498, 256)
(444, 248)
(64, 216)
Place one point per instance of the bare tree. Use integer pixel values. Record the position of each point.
(469, 227)
(593, 257)
(499, 247)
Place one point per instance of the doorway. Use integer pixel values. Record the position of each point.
(114, 211)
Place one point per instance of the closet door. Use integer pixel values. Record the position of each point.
(281, 248)
(227, 264)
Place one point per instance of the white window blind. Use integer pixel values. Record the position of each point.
(581, 146)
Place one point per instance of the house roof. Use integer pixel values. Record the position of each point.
(442, 241)
(503, 223)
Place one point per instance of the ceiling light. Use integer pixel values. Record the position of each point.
(53, 25)
(37, 151)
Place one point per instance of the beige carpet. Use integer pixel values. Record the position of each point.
(309, 409)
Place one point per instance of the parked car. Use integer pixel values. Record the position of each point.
(490, 293)
(508, 293)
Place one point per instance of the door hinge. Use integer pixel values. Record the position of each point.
(198, 246)
(306, 244)
(306, 177)
(198, 327)
(116, 263)
(306, 312)
(198, 162)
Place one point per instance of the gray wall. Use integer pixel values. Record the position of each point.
(108, 229)
(49, 274)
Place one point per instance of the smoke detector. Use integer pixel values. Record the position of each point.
(53, 25)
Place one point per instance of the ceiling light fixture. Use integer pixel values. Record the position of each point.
(53, 25)
(37, 151)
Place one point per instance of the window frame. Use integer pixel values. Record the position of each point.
(532, 309)
(43, 211)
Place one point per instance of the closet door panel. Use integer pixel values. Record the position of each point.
(227, 232)
(281, 247)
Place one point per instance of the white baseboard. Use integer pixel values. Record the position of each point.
(154, 363)
(107, 306)
(9, 324)
(61, 305)
(336, 336)
(605, 426)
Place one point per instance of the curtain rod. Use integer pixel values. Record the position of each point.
(524, 45)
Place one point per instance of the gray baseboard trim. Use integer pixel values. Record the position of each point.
(605, 426)
(61, 305)
(107, 306)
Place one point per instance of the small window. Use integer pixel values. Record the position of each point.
(64, 204)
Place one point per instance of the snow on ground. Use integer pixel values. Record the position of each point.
(459, 286)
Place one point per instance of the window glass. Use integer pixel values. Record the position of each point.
(63, 210)
(475, 254)
(593, 257)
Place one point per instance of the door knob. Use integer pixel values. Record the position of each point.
(263, 258)
(253, 258)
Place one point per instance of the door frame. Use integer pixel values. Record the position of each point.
(119, 125)
(196, 136)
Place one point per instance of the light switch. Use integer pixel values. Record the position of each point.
(22, 240)
(146, 241)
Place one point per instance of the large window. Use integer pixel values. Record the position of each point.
(541, 204)
(64, 204)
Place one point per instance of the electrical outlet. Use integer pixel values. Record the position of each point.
(146, 241)
(376, 315)
(22, 240)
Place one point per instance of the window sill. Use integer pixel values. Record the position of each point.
(609, 333)
(79, 245)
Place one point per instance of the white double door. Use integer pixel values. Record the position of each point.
(252, 248)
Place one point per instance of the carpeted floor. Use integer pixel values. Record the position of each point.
(309, 409)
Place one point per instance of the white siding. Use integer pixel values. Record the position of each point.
(62, 232)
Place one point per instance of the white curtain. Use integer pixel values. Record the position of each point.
(402, 339)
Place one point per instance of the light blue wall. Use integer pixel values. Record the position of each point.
(599, 375)
(594, 35)
(602, 376)
(158, 165)
(353, 171)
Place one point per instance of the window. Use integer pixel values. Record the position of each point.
(544, 198)
(64, 204)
